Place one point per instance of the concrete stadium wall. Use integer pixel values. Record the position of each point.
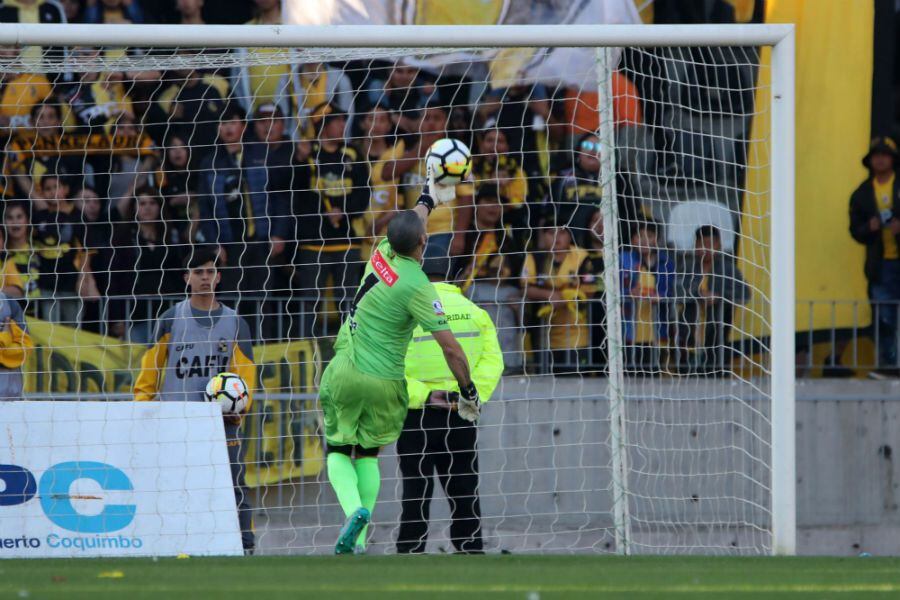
(697, 456)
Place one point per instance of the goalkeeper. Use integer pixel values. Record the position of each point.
(363, 390)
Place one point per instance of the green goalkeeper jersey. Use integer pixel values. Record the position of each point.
(393, 297)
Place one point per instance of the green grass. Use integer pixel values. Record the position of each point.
(471, 577)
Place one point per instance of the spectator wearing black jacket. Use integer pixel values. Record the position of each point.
(713, 289)
(145, 265)
(226, 213)
(267, 169)
(875, 223)
(337, 194)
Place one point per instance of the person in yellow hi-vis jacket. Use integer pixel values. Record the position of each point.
(15, 344)
(439, 434)
(196, 339)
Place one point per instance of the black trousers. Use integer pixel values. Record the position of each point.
(714, 353)
(236, 454)
(439, 441)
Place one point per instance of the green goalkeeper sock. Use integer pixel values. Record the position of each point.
(368, 483)
(342, 476)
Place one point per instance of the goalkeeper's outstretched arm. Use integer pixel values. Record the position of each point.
(459, 366)
(455, 357)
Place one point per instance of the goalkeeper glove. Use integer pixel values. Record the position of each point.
(442, 194)
(469, 406)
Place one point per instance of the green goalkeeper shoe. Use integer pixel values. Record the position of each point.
(353, 526)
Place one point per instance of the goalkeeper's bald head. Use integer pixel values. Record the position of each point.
(406, 233)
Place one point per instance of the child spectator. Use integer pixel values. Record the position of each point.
(553, 275)
(648, 285)
(713, 289)
(492, 262)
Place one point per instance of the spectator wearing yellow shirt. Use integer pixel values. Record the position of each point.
(491, 266)
(553, 279)
(20, 253)
(405, 166)
(15, 345)
(11, 282)
(495, 163)
(31, 154)
(96, 99)
(314, 84)
(19, 92)
(875, 223)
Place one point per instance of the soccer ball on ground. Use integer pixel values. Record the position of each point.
(450, 161)
(230, 391)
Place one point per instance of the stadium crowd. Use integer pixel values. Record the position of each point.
(111, 180)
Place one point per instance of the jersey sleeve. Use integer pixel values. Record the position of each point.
(242, 360)
(153, 362)
(427, 309)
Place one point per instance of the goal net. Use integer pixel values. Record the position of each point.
(615, 228)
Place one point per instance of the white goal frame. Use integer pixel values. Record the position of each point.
(779, 37)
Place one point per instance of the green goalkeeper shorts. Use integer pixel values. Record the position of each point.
(361, 409)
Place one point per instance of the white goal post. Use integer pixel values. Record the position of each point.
(778, 308)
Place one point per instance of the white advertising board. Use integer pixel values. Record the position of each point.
(115, 479)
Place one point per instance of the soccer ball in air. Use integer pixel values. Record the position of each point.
(230, 391)
(450, 161)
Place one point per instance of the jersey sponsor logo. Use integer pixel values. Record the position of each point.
(383, 269)
(438, 308)
(198, 366)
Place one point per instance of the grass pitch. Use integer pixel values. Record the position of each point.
(470, 577)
